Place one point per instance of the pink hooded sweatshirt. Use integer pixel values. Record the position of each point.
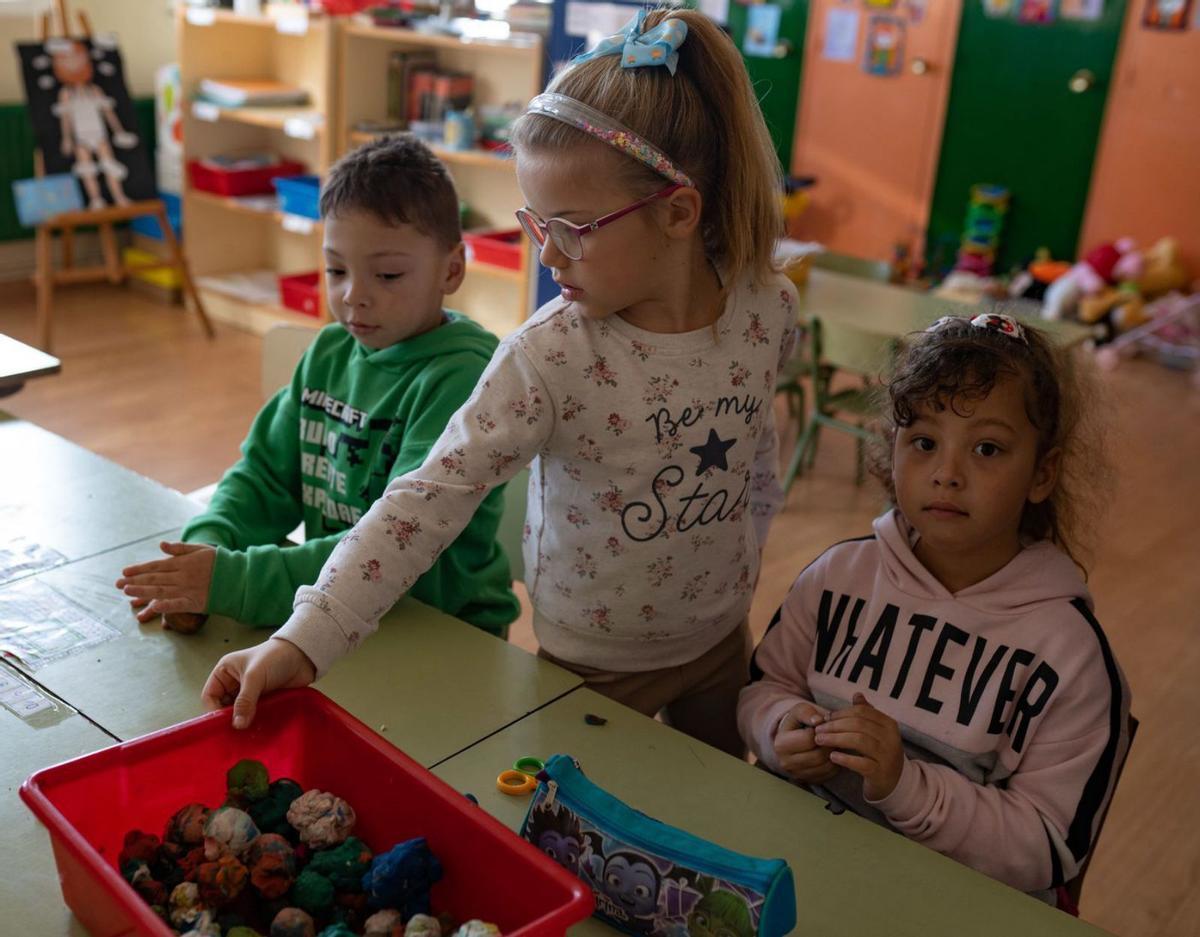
(1012, 707)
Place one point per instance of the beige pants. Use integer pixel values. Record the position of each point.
(698, 698)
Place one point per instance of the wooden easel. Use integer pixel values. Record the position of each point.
(113, 269)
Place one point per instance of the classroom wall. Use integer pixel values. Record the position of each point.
(146, 29)
(1145, 184)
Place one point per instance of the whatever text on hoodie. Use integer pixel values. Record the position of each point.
(1011, 705)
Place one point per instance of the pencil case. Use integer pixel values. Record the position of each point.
(649, 878)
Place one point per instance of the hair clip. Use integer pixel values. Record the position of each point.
(992, 321)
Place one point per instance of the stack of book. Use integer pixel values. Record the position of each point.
(252, 93)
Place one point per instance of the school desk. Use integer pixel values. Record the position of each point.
(29, 892)
(61, 497)
(852, 878)
(20, 362)
(893, 311)
(431, 684)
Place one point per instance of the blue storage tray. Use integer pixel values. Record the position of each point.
(299, 195)
(147, 225)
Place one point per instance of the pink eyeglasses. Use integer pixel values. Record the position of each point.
(568, 237)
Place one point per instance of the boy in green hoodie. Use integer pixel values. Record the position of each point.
(366, 403)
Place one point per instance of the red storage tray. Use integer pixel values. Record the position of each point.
(499, 248)
(88, 805)
(301, 292)
(239, 181)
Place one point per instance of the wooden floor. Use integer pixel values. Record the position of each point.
(142, 386)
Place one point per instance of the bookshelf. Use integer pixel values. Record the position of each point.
(344, 67)
(505, 71)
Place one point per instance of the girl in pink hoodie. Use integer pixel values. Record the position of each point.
(945, 676)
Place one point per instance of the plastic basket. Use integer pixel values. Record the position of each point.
(499, 248)
(300, 292)
(88, 805)
(231, 182)
(299, 195)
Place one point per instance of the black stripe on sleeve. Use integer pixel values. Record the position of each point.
(1079, 834)
(1056, 869)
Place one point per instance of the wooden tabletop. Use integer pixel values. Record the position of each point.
(61, 497)
(429, 683)
(853, 878)
(893, 311)
(29, 891)
(19, 362)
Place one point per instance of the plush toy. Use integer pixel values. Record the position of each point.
(1101, 267)
(1161, 271)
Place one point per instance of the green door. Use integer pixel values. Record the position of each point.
(1023, 113)
(777, 80)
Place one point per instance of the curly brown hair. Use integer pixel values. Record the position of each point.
(957, 363)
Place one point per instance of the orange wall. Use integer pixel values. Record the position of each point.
(1146, 182)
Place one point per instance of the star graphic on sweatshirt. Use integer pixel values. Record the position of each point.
(712, 453)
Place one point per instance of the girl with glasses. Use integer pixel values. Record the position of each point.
(641, 396)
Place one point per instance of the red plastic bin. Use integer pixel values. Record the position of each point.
(89, 803)
(301, 292)
(499, 248)
(239, 181)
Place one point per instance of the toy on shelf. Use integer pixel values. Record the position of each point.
(1100, 268)
(981, 231)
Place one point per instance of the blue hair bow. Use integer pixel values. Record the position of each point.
(637, 49)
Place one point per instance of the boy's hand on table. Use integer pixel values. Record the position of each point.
(867, 742)
(795, 748)
(175, 587)
(242, 677)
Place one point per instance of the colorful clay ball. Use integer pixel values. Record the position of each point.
(389, 923)
(186, 827)
(270, 813)
(345, 865)
(321, 819)
(401, 878)
(293, 922)
(337, 930)
(221, 880)
(204, 926)
(184, 905)
(232, 828)
(246, 782)
(242, 931)
(139, 846)
(272, 863)
(477, 928)
(422, 925)
(313, 893)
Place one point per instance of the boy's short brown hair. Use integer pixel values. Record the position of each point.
(399, 180)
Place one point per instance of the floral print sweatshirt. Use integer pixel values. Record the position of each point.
(653, 482)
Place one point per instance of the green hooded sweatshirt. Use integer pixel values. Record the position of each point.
(322, 451)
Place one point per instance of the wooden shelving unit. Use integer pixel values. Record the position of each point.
(343, 66)
(224, 236)
(505, 71)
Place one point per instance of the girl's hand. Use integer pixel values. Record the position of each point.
(177, 584)
(868, 743)
(795, 748)
(242, 677)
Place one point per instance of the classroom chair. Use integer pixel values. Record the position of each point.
(878, 270)
(833, 347)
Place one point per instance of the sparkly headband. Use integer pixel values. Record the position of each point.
(602, 127)
(992, 321)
